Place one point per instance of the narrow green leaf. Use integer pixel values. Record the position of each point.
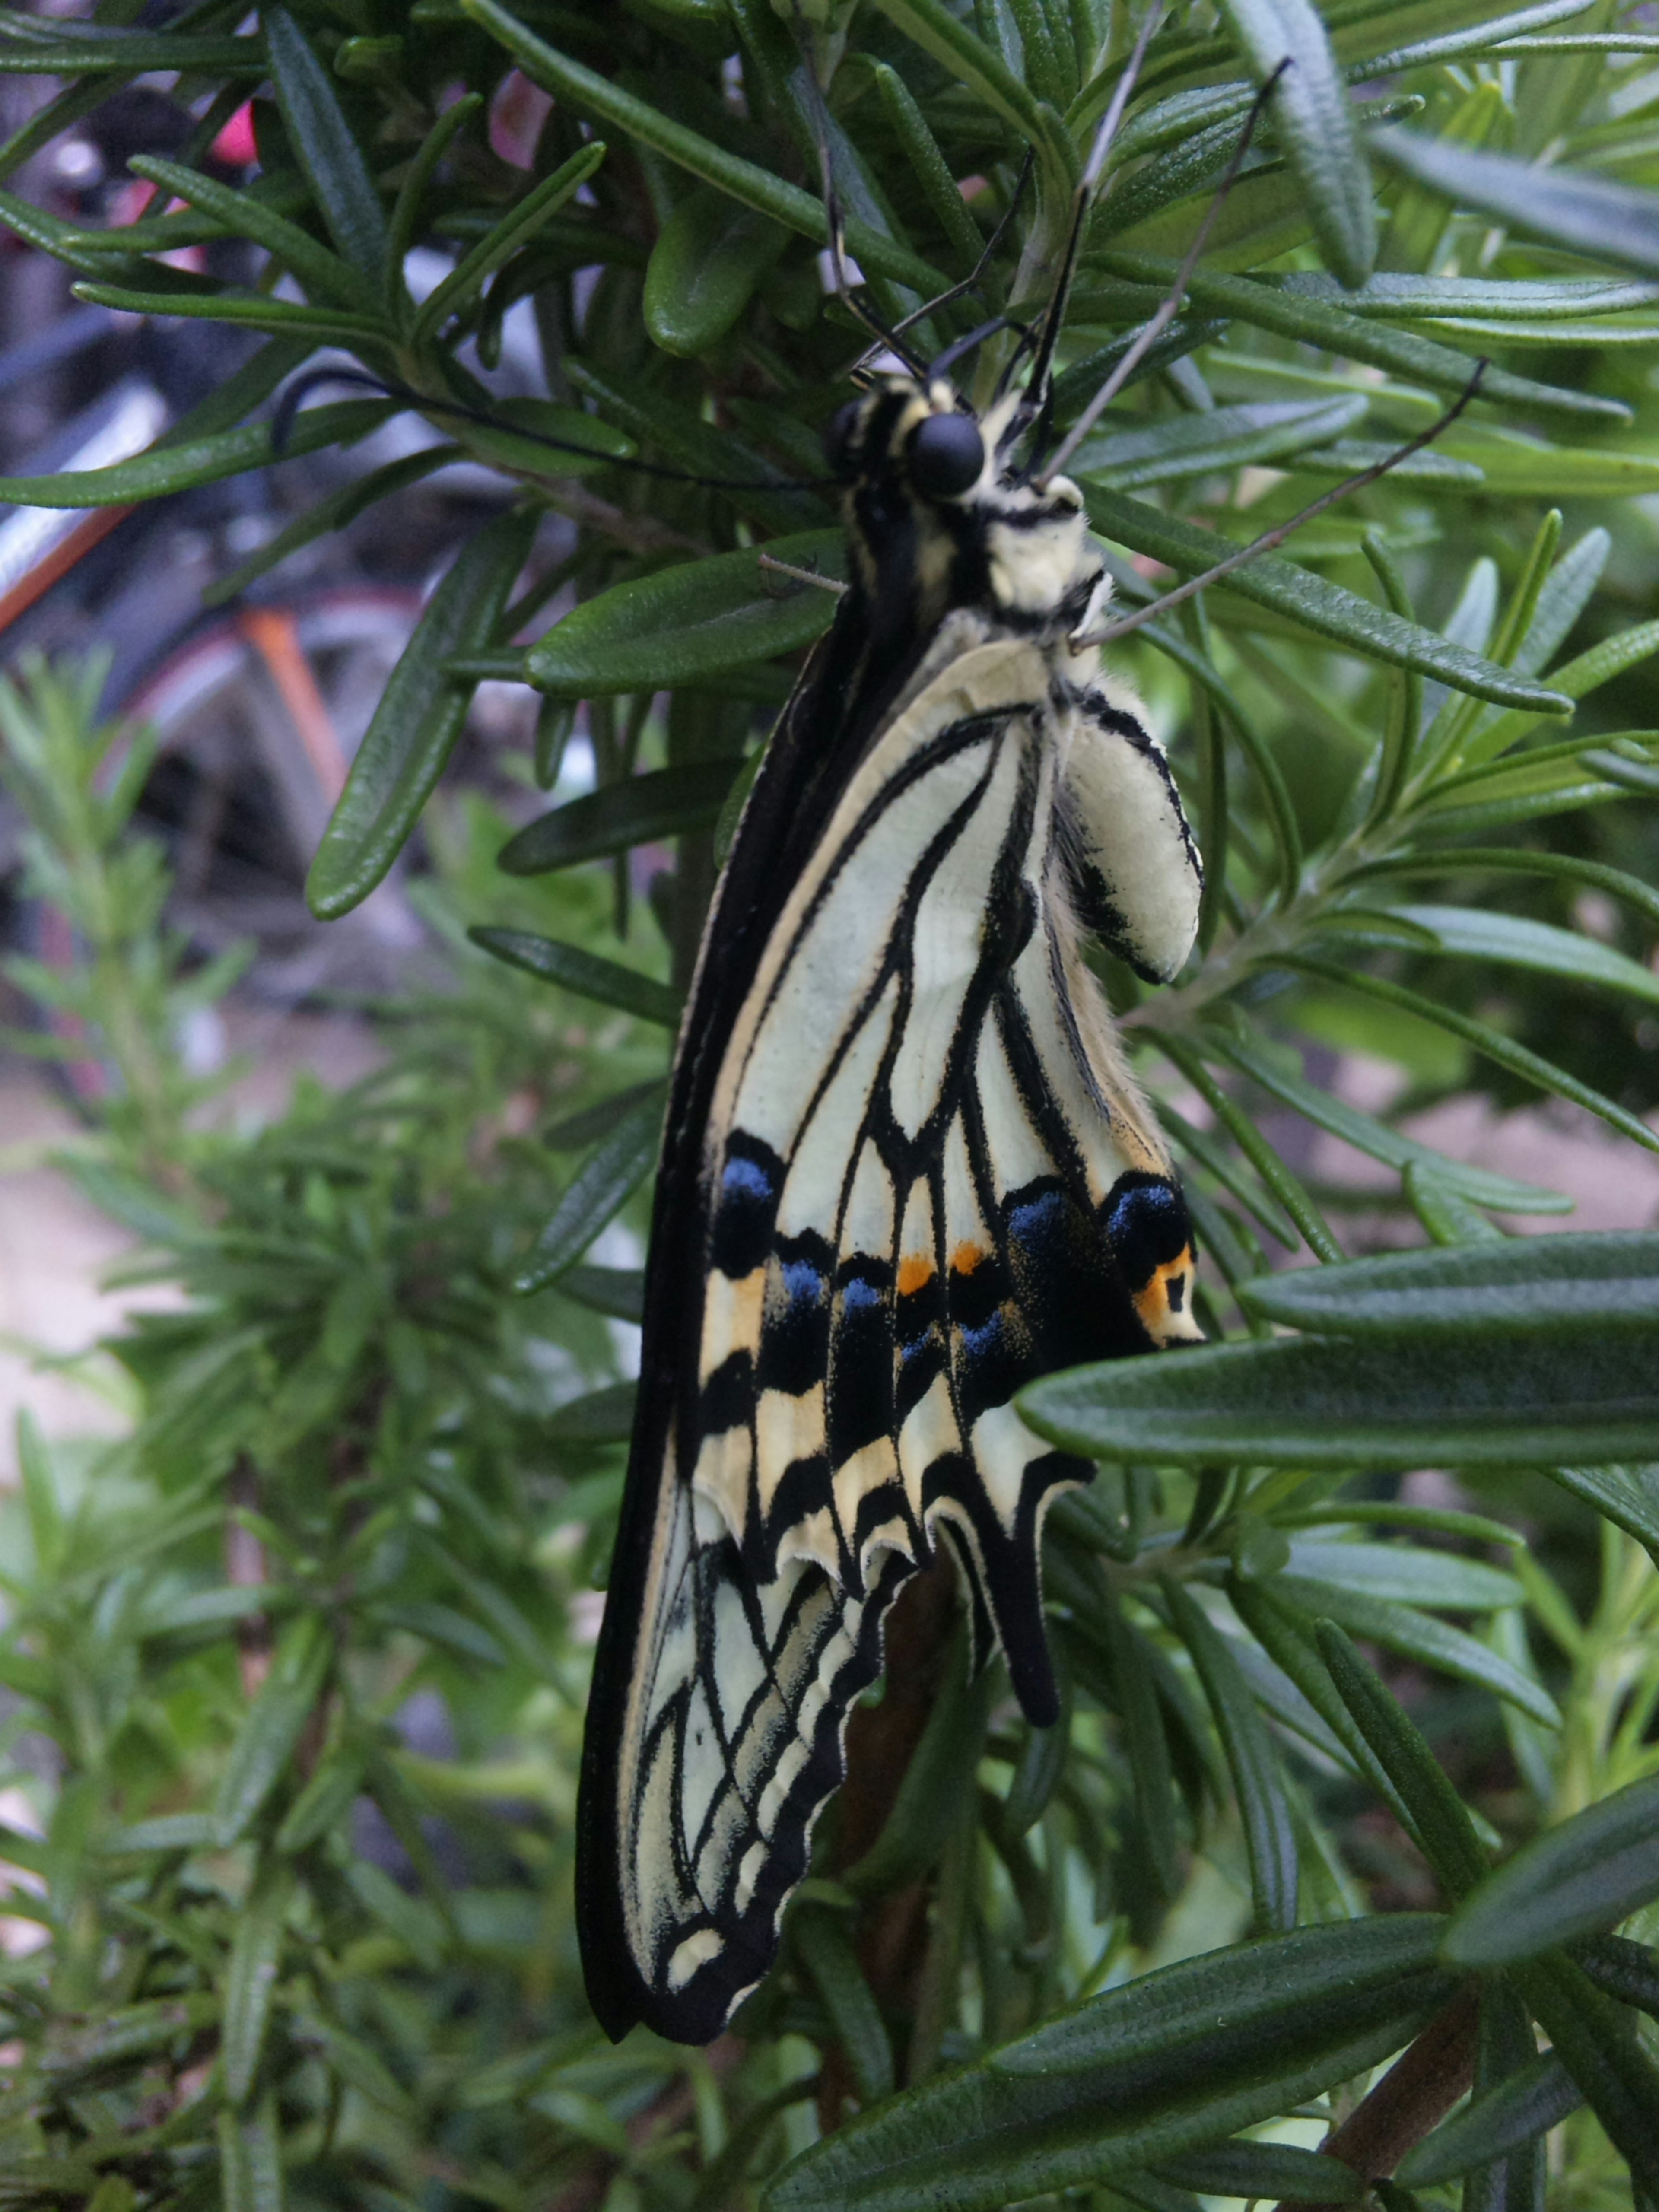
(1577, 679)
(166, 468)
(973, 63)
(820, 1935)
(46, 1514)
(708, 257)
(663, 803)
(410, 203)
(1594, 215)
(587, 974)
(410, 1919)
(1315, 126)
(618, 1292)
(1629, 1497)
(1321, 322)
(272, 1728)
(1269, 1830)
(1284, 1186)
(1619, 2080)
(443, 1626)
(690, 624)
(251, 1977)
(537, 439)
(1258, 2171)
(1111, 2085)
(1135, 1687)
(415, 726)
(241, 215)
(1175, 445)
(336, 513)
(251, 2159)
(926, 1810)
(604, 1416)
(1438, 1819)
(1528, 2104)
(62, 52)
(600, 1188)
(1588, 1875)
(327, 148)
(1607, 1280)
(932, 171)
(1311, 601)
(1409, 1573)
(1629, 1971)
(1529, 301)
(327, 1799)
(574, 1132)
(251, 311)
(1486, 1040)
(758, 487)
(1419, 1636)
(1447, 1398)
(1286, 1635)
(516, 229)
(1527, 862)
(589, 94)
(1042, 1764)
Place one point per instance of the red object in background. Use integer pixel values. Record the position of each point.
(235, 146)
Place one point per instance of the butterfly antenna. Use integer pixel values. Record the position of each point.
(1040, 386)
(1153, 331)
(833, 217)
(972, 281)
(1270, 539)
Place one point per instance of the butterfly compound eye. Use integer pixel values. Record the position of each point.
(946, 456)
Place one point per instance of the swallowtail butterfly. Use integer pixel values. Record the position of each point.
(906, 1171)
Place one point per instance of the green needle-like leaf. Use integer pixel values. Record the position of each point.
(1269, 1830)
(1608, 1281)
(255, 1951)
(1588, 1875)
(1315, 603)
(419, 721)
(1438, 1816)
(1315, 125)
(709, 256)
(587, 974)
(272, 1725)
(328, 150)
(1112, 2084)
(665, 803)
(590, 93)
(1318, 321)
(165, 468)
(607, 1180)
(821, 1936)
(1586, 214)
(1447, 1398)
(240, 214)
(1528, 2104)
(690, 624)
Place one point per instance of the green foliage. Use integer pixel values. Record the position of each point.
(279, 1949)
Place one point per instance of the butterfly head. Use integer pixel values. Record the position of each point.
(940, 512)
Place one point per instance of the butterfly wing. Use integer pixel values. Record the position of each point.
(920, 1156)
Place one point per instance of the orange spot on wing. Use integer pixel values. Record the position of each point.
(966, 1257)
(916, 1272)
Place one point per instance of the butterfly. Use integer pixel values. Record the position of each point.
(906, 1170)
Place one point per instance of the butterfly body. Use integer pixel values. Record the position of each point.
(906, 1171)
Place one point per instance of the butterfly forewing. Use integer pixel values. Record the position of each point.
(906, 1171)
